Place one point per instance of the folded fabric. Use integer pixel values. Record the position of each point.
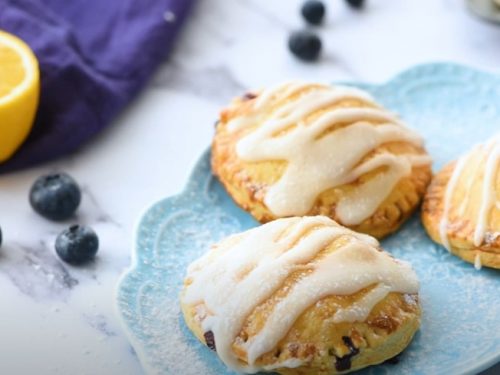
(94, 56)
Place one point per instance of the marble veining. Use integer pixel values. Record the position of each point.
(100, 215)
(99, 322)
(36, 273)
(215, 84)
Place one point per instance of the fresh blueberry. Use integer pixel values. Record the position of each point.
(1, 237)
(305, 45)
(55, 196)
(313, 11)
(357, 4)
(77, 244)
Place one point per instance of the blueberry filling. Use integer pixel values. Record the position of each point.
(392, 361)
(344, 363)
(210, 340)
(249, 96)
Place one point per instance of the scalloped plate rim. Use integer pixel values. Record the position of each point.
(134, 267)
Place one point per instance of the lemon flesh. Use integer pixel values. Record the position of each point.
(19, 93)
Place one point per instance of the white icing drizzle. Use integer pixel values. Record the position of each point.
(477, 261)
(489, 191)
(361, 310)
(491, 162)
(245, 270)
(281, 91)
(448, 196)
(470, 183)
(287, 363)
(267, 98)
(318, 162)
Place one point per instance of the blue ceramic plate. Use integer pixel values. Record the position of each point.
(453, 107)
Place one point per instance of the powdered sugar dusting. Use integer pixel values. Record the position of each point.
(445, 103)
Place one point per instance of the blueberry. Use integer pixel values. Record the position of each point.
(305, 45)
(357, 4)
(55, 196)
(77, 244)
(313, 11)
(1, 237)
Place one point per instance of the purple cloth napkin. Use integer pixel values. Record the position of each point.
(94, 55)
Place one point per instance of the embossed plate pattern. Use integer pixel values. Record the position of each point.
(453, 107)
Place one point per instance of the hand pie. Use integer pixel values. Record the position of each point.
(461, 209)
(301, 295)
(307, 149)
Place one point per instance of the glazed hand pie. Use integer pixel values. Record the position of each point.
(301, 296)
(307, 149)
(461, 209)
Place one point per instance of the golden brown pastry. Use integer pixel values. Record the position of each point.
(301, 295)
(307, 149)
(461, 209)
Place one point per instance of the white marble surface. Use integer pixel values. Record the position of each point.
(57, 319)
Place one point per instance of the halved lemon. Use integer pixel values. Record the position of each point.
(19, 93)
